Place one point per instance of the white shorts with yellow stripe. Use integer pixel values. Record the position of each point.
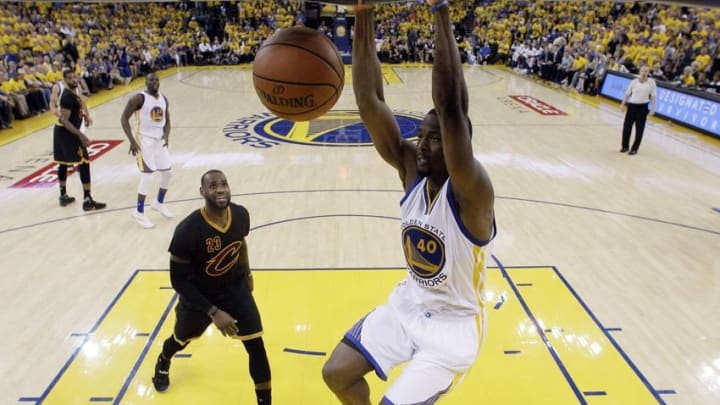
(153, 155)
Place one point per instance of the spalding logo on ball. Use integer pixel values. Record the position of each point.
(298, 74)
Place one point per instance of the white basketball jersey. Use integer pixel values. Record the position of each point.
(446, 265)
(151, 116)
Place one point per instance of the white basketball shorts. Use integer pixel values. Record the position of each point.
(437, 351)
(153, 155)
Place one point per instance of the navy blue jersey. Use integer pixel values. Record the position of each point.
(69, 100)
(217, 268)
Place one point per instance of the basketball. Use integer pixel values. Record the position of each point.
(298, 74)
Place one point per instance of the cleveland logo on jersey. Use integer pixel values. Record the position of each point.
(425, 255)
(225, 258)
(156, 114)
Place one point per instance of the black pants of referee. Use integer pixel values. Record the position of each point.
(636, 114)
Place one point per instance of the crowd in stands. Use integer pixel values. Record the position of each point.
(572, 44)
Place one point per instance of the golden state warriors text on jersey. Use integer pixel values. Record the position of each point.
(445, 263)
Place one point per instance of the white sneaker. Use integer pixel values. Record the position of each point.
(142, 220)
(160, 207)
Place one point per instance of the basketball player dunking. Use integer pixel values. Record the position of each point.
(434, 319)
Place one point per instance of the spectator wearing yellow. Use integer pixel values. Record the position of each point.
(687, 79)
(703, 59)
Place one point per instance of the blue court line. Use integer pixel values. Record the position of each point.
(511, 351)
(610, 338)
(524, 284)
(145, 350)
(85, 339)
(542, 335)
(308, 352)
(101, 399)
(323, 216)
(183, 355)
(79, 334)
(665, 392)
(30, 399)
(594, 393)
(500, 302)
(613, 329)
(716, 210)
(109, 210)
(398, 191)
(580, 207)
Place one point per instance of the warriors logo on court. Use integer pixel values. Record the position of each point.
(424, 254)
(336, 128)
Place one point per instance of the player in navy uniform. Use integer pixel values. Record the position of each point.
(70, 144)
(210, 271)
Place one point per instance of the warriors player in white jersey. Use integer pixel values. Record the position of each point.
(434, 318)
(149, 145)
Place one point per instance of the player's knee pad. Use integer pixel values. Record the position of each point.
(259, 365)
(84, 169)
(165, 176)
(145, 181)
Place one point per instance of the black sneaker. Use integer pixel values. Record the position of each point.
(161, 379)
(623, 150)
(66, 199)
(89, 204)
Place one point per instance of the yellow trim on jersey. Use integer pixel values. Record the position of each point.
(213, 224)
(479, 254)
(183, 343)
(478, 282)
(248, 337)
(139, 157)
(431, 202)
(79, 162)
(136, 116)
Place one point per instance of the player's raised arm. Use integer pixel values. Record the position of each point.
(368, 88)
(471, 185)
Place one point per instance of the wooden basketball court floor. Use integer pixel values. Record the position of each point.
(603, 287)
